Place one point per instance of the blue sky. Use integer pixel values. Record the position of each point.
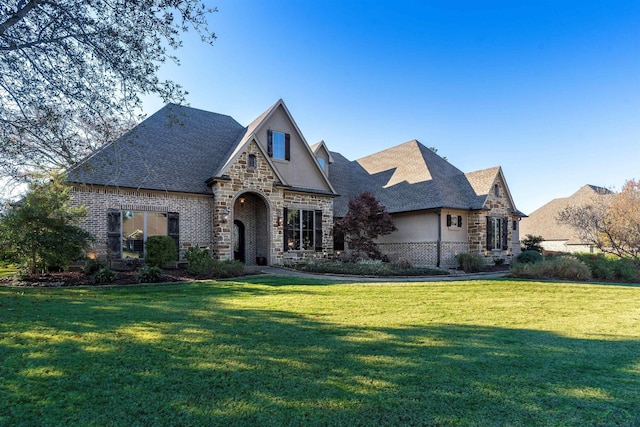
(549, 90)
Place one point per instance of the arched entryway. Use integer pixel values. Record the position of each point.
(251, 236)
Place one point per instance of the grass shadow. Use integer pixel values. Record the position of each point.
(188, 356)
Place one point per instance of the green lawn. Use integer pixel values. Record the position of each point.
(270, 351)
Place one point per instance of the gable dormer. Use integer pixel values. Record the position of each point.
(323, 156)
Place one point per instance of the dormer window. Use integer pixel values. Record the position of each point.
(278, 145)
(252, 161)
(322, 164)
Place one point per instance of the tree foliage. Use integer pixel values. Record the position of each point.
(72, 72)
(366, 220)
(41, 231)
(611, 224)
(532, 243)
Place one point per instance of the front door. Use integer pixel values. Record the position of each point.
(238, 241)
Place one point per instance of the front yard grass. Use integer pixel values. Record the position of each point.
(287, 351)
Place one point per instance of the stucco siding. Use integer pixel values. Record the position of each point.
(419, 227)
(301, 170)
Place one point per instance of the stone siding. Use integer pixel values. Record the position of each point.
(498, 206)
(262, 182)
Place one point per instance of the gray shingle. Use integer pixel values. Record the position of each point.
(403, 178)
(176, 149)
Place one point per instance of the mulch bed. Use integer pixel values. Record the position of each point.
(78, 278)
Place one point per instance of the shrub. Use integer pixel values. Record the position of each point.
(161, 250)
(104, 275)
(608, 268)
(149, 274)
(626, 270)
(200, 262)
(227, 268)
(93, 265)
(498, 261)
(529, 257)
(570, 268)
(368, 268)
(560, 268)
(532, 243)
(470, 263)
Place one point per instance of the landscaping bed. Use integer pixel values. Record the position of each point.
(79, 278)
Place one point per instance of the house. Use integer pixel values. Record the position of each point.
(561, 237)
(261, 192)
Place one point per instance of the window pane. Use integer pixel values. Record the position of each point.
(156, 224)
(132, 234)
(278, 145)
(321, 163)
(307, 230)
(497, 233)
(293, 229)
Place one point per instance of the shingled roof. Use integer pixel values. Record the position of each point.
(409, 177)
(176, 149)
(542, 221)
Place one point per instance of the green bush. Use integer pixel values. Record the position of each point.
(161, 250)
(532, 243)
(529, 257)
(607, 268)
(93, 265)
(200, 262)
(559, 268)
(227, 268)
(470, 263)
(626, 270)
(368, 268)
(104, 275)
(149, 274)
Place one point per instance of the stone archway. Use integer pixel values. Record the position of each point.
(253, 212)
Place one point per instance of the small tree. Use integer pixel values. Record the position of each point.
(41, 231)
(532, 243)
(612, 224)
(366, 220)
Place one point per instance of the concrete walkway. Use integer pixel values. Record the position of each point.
(277, 271)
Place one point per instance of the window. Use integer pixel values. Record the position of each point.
(496, 190)
(278, 145)
(127, 231)
(252, 161)
(303, 230)
(321, 163)
(497, 233)
(454, 221)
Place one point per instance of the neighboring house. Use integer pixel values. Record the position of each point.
(260, 192)
(561, 237)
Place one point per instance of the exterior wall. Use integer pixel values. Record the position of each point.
(497, 206)
(322, 153)
(311, 202)
(261, 182)
(302, 169)
(564, 246)
(195, 211)
(416, 239)
(418, 227)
